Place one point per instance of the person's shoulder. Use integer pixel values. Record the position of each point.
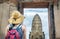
(23, 27)
(7, 28)
(8, 25)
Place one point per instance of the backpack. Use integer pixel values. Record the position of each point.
(15, 33)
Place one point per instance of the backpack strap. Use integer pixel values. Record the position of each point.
(19, 29)
(17, 35)
(19, 26)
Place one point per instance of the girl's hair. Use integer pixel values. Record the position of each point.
(11, 26)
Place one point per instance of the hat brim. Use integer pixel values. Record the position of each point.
(17, 21)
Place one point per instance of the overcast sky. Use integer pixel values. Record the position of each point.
(29, 14)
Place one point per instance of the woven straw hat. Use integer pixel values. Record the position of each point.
(16, 18)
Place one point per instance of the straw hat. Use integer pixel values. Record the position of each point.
(16, 18)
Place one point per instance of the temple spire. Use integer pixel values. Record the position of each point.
(36, 31)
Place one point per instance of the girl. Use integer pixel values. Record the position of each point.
(15, 22)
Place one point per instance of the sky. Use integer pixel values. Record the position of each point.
(29, 14)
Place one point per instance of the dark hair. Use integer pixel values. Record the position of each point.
(11, 26)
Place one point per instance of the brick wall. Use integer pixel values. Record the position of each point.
(57, 20)
(5, 9)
